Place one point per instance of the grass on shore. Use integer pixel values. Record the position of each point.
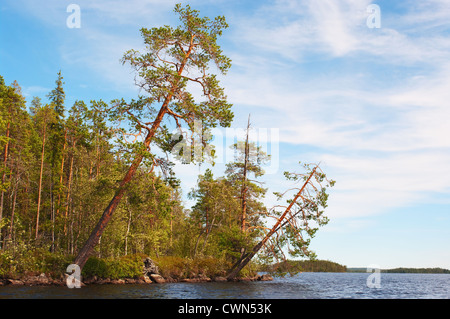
(19, 264)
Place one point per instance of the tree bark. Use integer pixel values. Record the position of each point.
(9, 237)
(5, 160)
(61, 174)
(244, 182)
(244, 260)
(40, 183)
(69, 190)
(128, 230)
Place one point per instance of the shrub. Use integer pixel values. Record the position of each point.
(130, 266)
(95, 267)
(181, 268)
(23, 261)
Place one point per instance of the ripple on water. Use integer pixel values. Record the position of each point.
(301, 286)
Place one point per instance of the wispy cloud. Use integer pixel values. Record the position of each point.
(380, 120)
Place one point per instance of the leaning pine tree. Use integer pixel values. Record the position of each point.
(174, 59)
(294, 226)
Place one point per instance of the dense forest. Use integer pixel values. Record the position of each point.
(295, 266)
(61, 165)
(403, 270)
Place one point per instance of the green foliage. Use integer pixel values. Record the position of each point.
(130, 266)
(292, 267)
(181, 268)
(25, 260)
(176, 58)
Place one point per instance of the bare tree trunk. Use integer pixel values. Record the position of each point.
(207, 233)
(244, 182)
(128, 231)
(244, 260)
(69, 190)
(61, 173)
(5, 159)
(40, 183)
(197, 242)
(8, 238)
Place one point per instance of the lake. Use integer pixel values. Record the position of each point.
(300, 286)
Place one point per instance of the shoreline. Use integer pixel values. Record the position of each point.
(44, 280)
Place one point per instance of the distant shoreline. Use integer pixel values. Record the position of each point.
(293, 266)
(404, 270)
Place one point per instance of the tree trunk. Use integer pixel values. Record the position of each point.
(69, 190)
(244, 260)
(128, 230)
(40, 183)
(5, 159)
(8, 240)
(244, 182)
(61, 174)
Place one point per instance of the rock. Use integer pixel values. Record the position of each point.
(42, 279)
(150, 267)
(104, 281)
(170, 280)
(220, 279)
(15, 282)
(266, 277)
(147, 280)
(204, 278)
(157, 278)
(56, 282)
(190, 280)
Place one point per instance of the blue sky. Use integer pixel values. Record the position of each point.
(370, 104)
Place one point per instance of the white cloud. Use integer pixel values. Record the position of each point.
(381, 142)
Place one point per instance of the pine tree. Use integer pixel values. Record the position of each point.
(174, 56)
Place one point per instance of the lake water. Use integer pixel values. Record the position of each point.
(301, 286)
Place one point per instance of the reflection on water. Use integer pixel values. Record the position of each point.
(301, 286)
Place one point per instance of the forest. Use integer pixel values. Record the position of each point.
(295, 266)
(93, 181)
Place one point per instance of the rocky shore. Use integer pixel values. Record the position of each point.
(45, 280)
(150, 275)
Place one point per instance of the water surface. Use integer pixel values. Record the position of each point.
(301, 286)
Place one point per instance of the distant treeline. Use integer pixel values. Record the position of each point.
(418, 270)
(295, 266)
(402, 270)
